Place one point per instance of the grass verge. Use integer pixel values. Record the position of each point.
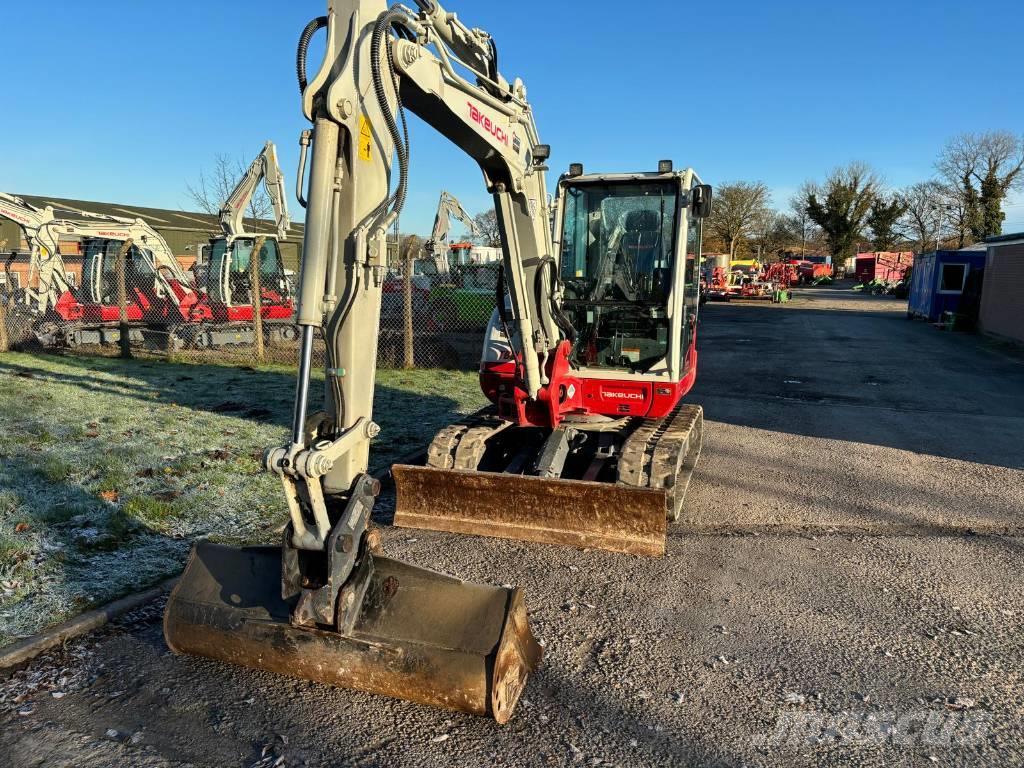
(110, 468)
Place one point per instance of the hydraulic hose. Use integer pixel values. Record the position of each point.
(493, 74)
(399, 137)
(311, 29)
(499, 300)
(563, 322)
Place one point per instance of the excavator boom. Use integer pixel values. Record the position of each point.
(448, 208)
(328, 605)
(264, 168)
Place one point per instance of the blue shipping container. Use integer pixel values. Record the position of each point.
(938, 281)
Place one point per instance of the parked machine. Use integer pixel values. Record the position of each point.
(602, 455)
(157, 289)
(47, 288)
(437, 247)
(586, 364)
(229, 276)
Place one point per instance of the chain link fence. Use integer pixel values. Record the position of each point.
(243, 315)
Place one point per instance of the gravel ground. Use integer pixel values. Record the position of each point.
(846, 590)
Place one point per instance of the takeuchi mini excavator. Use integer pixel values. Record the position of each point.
(438, 247)
(602, 454)
(229, 279)
(47, 289)
(157, 288)
(588, 358)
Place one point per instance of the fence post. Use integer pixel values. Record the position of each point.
(409, 358)
(122, 299)
(257, 296)
(5, 342)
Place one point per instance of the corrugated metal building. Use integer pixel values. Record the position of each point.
(186, 233)
(1002, 298)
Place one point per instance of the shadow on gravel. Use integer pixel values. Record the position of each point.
(408, 419)
(865, 377)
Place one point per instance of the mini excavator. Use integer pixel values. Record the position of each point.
(590, 351)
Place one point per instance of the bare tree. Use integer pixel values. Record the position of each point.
(737, 208)
(983, 167)
(922, 221)
(409, 247)
(212, 189)
(770, 234)
(958, 215)
(488, 231)
(802, 225)
(884, 219)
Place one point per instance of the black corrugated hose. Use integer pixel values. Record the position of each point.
(300, 57)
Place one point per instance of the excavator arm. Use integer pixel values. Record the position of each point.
(264, 168)
(46, 267)
(327, 604)
(448, 208)
(378, 60)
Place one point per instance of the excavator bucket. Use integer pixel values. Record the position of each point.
(419, 635)
(552, 511)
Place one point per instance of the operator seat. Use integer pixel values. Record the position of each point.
(641, 247)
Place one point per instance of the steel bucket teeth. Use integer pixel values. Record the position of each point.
(573, 512)
(420, 635)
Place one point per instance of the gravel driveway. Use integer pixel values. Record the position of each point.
(846, 589)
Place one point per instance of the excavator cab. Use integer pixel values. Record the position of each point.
(229, 278)
(618, 260)
(99, 286)
(627, 273)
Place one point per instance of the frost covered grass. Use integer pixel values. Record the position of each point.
(110, 468)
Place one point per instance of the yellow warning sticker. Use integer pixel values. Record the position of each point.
(365, 138)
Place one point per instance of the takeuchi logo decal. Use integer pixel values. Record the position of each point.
(487, 124)
(624, 395)
(16, 216)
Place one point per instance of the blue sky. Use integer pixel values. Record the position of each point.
(128, 101)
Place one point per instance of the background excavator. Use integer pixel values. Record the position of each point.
(47, 288)
(228, 284)
(158, 290)
(438, 247)
(587, 364)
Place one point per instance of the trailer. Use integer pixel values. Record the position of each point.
(882, 266)
(945, 282)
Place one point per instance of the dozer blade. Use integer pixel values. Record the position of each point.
(573, 512)
(420, 635)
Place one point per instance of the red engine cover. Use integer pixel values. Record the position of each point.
(568, 392)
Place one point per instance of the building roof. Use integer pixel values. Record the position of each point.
(158, 218)
(1012, 239)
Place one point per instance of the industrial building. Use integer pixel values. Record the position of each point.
(1002, 297)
